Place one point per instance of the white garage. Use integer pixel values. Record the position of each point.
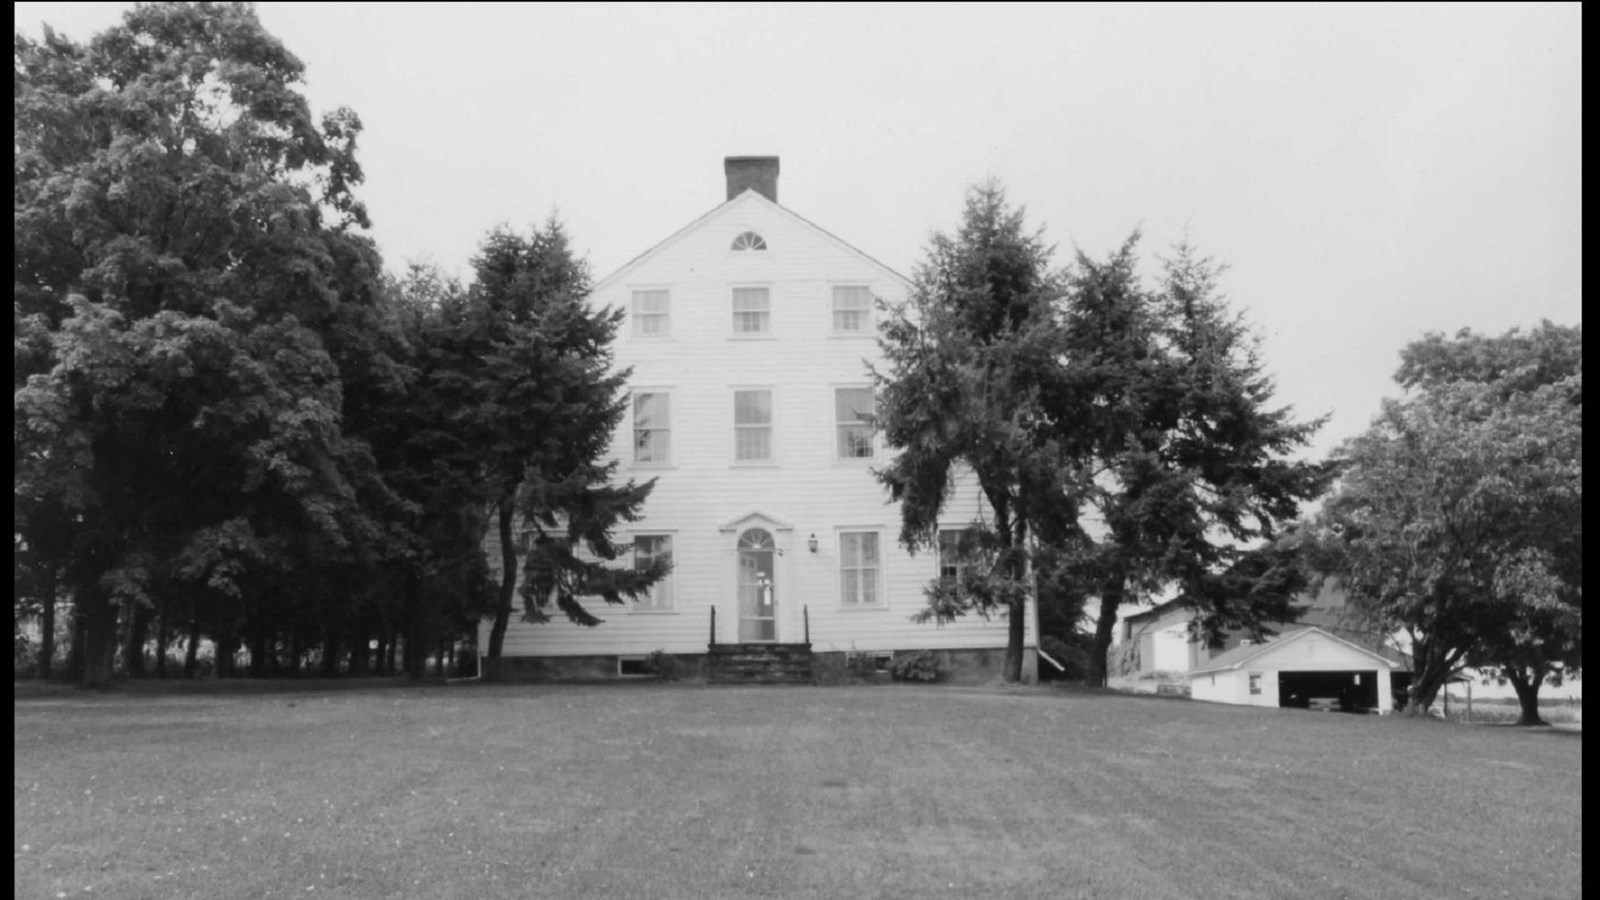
(1304, 668)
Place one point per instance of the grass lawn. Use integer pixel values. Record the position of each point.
(646, 790)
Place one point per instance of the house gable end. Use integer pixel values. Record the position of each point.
(747, 212)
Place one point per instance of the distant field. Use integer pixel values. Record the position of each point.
(646, 790)
(1491, 711)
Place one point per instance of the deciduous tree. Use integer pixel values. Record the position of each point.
(1459, 521)
(195, 294)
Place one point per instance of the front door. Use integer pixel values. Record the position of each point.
(758, 611)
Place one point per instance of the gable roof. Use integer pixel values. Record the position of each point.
(1155, 612)
(749, 196)
(1238, 656)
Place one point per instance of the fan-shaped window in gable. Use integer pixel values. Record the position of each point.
(749, 241)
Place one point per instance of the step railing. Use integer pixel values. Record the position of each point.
(805, 618)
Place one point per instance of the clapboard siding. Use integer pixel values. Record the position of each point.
(805, 490)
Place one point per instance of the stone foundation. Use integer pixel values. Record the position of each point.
(535, 669)
(962, 667)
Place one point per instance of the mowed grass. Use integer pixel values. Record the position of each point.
(624, 791)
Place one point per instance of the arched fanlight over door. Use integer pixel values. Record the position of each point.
(749, 240)
(757, 539)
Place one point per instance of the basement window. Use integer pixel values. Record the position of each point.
(632, 666)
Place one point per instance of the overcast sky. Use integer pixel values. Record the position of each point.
(1368, 173)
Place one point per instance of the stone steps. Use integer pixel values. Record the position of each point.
(759, 664)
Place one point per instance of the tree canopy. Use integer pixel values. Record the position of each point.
(1123, 436)
(533, 384)
(230, 423)
(1165, 399)
(1459, 521)
(965, 363)
(190, 294)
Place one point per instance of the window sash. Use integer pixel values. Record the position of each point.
(858, 568)
(752, 425)
(952, 563)
(752, 310)
(854, 435)
(852, 308)
(651, 313)
(652, 428)
(647, 549)
(752, 443)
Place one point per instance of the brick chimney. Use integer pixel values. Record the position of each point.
(759, 172)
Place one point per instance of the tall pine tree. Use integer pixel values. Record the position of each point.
(967, 361)
(537, 393)
(1165, 397)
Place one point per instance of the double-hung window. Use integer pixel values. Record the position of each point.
(852, 415)
(752, 311)
(752, 425)
(652, 428)
(859, 568)
(852, 309)
(652, 313)
(648, 549)
(955, 553)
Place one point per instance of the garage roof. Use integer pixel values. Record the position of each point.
(1238, 656)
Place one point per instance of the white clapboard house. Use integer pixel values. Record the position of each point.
(748, 332)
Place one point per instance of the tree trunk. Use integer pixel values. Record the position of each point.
(1422, 693)
(360, 654)
(380, 663)
(1527, 695)
(1017, 620)
(330, 654)
(191, 653)
(508, 588)
(138, 634)
(257, 643)
(1431, 668)
(161, 647)
(47, 624)
(75, 644)
(99, 634)
(162, 636)
(227, 650)
(421, 631)
(1112, 592)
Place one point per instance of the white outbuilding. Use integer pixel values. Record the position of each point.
(1304, 668)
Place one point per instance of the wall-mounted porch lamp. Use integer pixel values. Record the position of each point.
(811, 542)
